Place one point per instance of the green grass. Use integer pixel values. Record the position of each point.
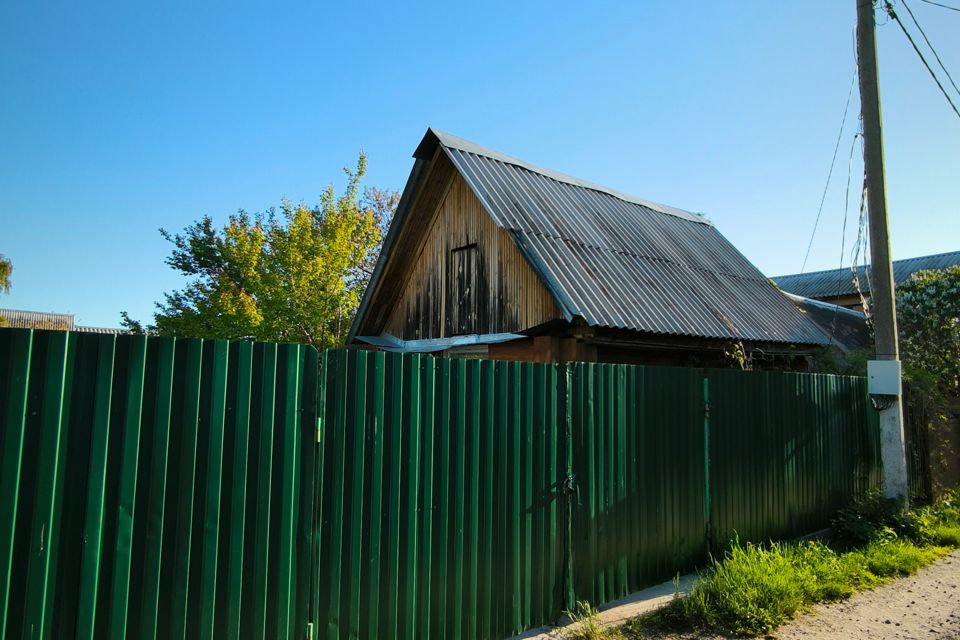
(753, 589)
(945, 535)
(585, 625)
(899, 558)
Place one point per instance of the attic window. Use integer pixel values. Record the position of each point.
(463, 285)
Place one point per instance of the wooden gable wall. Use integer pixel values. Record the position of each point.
(469, 277)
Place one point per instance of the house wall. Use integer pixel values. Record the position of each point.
(468, 277)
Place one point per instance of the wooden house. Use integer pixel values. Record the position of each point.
(491, 256)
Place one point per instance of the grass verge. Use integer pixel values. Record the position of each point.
(586, 625)
(753, 589)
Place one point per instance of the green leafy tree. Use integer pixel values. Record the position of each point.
(928, 317)
(293, 275)
(6, 270)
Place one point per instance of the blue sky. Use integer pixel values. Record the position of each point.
(117, 119)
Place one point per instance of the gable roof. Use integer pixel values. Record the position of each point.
(839, 282)
(615, 260)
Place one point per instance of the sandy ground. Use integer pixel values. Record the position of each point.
(922, 607)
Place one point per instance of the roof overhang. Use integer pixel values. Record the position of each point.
(388, 342)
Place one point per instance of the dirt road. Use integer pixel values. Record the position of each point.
(923, 607)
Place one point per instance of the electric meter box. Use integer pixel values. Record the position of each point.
(883, 377)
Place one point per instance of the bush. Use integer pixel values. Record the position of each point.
(947, 508)
(872, 517)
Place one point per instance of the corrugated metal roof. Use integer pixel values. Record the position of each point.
(622, 262)
(839, 282)
(19, 319)
(847, 328)
(103, 330)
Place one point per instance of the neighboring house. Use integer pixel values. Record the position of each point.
(494, 257)
(18, 319)
(838, 286)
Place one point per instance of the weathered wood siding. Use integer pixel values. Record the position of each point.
(469, 277)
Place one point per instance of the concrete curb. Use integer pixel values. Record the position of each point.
(619, 611)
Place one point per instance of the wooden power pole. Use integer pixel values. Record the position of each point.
(884, 373)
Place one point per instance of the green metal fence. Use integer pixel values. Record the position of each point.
(786, 451)
(439, 506)
(154, 488)
(639, 466)
(163, 488)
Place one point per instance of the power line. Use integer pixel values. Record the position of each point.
(929, 44)
(862, 243)
(937, 4)
(843, 233)
(846, 208)
(896, 19)
(823, 198)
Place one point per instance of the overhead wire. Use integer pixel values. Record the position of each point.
(846, 209)
(937, 4)
(929, 44)
(843, 232)
(889, 9)
(843, 123)
(860, 249)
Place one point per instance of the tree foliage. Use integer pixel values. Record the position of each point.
(928, 310)
(293, 275)
(6, 270)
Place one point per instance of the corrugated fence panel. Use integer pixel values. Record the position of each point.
(639, 470)
(144, 478)
(163, 488)
(786, 451)
(440, 512)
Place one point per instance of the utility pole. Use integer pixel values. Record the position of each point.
(884, 373)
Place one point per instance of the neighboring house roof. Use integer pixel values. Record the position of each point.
(102, 330)
(839, 282)
(847, 327)
(614, 260)
(19, 319)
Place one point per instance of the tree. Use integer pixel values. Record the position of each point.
(296, 275)
(6, 269)
(381, 204)
(928, 308)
